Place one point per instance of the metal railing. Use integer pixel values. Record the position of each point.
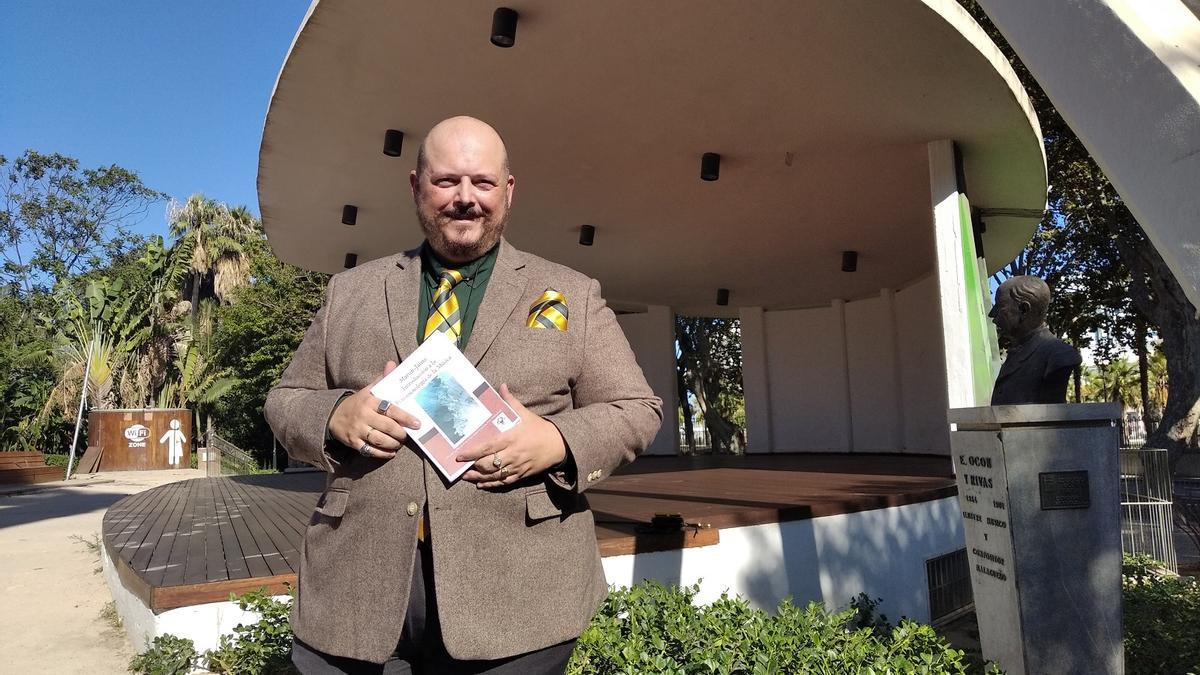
(1147, 514)
(234, 460)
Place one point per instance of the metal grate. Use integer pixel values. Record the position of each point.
(949, 579)
(1147, 520)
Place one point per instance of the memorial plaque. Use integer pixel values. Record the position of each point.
(1064, 490)
(1038, 485)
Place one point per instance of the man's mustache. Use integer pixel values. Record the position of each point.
(462, 213)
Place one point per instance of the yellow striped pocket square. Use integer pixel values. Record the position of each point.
(550, 311)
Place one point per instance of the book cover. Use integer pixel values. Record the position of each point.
(458, 408)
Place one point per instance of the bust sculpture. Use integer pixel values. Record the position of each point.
(1038, 364)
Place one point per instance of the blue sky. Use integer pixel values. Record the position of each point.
(174, 90)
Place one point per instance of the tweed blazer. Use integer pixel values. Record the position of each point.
(515, 569)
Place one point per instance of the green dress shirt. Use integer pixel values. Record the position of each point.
(469, 292)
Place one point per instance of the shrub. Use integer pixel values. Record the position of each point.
(55, 460)
(651, 628)
(1161, 613)
(263, 647)
(167, 655)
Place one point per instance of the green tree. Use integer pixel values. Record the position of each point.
(1106, 274)
(255, 337)
(709, 368)
(57, 220)
(216, 237)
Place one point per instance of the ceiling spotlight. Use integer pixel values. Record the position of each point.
(710, 166)
(722, 296)
(849, 261)
(393, 142)
(349, 214)
(504, 27)
(351, 260)
(587, 234)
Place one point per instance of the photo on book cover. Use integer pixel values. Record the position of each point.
(453, 410)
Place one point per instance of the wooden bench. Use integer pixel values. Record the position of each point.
(23, 468)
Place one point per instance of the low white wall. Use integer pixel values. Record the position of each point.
(832, 559)
(202, 624)
(863, 376)
(651, 334)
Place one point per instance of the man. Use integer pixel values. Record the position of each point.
(1038, 364)
(498, 572)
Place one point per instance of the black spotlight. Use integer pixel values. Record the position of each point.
(710, 166)
(351, 260)
(849, 261)
(587, 235)
(722, 296)
(349, 214)
(393, 142)
(504, 27)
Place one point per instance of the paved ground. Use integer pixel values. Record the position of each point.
(55, 600)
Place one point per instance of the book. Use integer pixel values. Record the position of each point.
(457, 407)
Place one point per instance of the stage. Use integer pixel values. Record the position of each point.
(813, 526)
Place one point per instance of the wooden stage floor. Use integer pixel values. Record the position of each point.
(199, 540)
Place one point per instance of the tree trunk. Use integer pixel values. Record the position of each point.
(1078, 375)
(195, 311)
(1143, 368)
(1160, 298)
(689, 432)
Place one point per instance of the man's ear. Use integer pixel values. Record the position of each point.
(414, 182)
(511, 187)
(1024, 307)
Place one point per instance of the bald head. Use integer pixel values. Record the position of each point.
(462, 133)
(462, 188)
(1021, 306)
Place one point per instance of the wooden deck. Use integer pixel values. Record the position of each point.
(199, 540)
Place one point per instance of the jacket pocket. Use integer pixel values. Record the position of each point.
(332, 503)
(539, 506)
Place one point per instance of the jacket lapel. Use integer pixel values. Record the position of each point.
(403, 290)
(504, 291)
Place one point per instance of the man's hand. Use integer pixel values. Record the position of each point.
(527, 449)
(357, 423)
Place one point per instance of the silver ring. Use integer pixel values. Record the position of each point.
(496, 461)
(365, 449)
(383, 406)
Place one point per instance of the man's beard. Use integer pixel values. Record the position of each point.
(491, 227)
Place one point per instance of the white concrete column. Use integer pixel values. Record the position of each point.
(839, 327)
(947, 234)
(651, 334)
(756, 382)
(1125, 74)
(890, 343)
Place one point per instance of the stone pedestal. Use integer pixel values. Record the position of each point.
(1039, 490)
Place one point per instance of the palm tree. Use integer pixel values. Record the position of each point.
(217, 238)
(1116, 380)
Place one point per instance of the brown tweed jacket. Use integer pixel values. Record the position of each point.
(515, 570)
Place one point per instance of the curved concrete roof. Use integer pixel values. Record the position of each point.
(820, 110)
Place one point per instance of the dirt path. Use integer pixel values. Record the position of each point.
(56, 612)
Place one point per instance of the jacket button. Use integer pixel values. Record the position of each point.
(412, 508)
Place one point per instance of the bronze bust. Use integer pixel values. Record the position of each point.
(1038, 364)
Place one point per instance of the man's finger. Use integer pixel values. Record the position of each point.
(387, 368)
(387, 425)
(490, 448)
(395, 413)
(511, 400)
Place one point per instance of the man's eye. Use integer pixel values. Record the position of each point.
(445, 182)
(486, 184)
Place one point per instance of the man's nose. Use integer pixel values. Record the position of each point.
(465, 193)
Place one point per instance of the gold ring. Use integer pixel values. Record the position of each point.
(504, 471)
(496, 461)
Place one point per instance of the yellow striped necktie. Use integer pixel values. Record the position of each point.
(445, 317)
(550, 311)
